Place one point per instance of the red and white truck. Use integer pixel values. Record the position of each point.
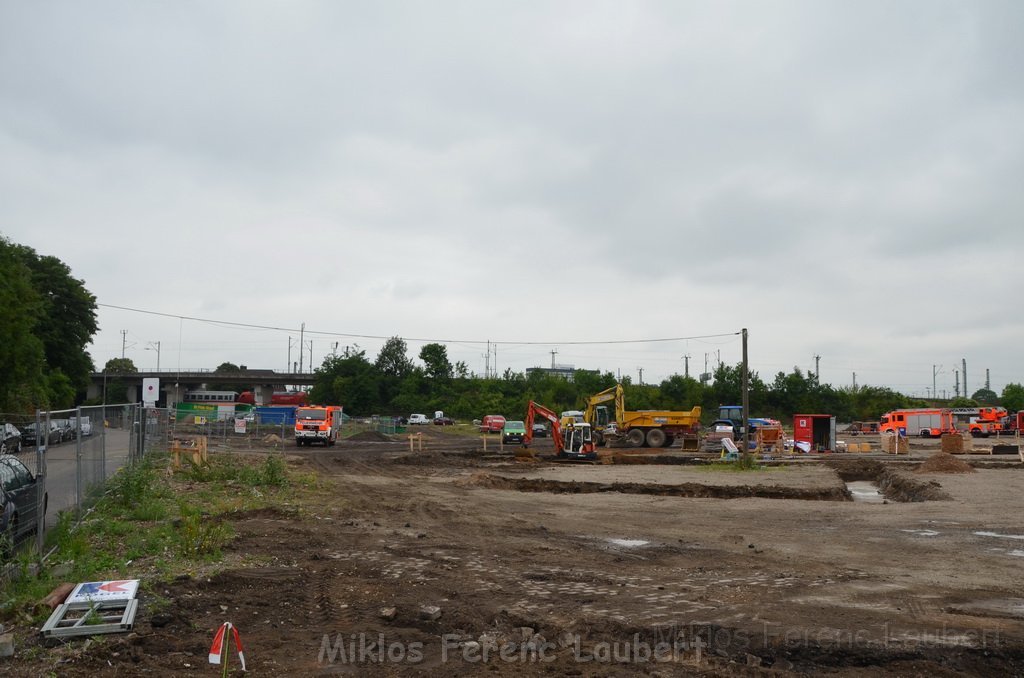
(927, 423)
(317, 425)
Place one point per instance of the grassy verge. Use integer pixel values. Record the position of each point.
(153, 524)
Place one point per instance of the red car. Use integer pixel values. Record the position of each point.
(492, 423)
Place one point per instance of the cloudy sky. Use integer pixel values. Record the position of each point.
(844, 179)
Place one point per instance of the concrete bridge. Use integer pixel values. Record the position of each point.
(175, 383)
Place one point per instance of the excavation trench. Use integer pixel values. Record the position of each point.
(697, 490)
(860, 476)
(892, 485)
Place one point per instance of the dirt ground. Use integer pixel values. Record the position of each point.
(553, 569)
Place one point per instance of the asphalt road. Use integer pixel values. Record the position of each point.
(101, 456)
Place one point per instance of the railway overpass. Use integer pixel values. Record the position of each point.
(175, 383)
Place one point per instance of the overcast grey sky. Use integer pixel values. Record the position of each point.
(841, 178)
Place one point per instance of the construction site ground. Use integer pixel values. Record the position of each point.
(456, 561)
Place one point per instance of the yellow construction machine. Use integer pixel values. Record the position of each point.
(650, 428)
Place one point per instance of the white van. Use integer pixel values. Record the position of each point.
(418, 419)
(84, 425)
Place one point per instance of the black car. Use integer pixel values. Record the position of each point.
(63, 430)
(540, 431)
(19, 495)
(30, 437)
(444, 421)
(10, 439)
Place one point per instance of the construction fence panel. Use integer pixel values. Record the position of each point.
(241, 431)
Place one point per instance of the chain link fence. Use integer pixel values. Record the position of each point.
(59, 461)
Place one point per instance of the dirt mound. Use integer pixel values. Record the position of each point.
(376, 436)
(942, 462)
(272, 439)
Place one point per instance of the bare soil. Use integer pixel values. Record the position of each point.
(575, 569)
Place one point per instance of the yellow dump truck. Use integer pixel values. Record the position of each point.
(651, 428)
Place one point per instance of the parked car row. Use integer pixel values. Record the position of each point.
(421, 419)
(61, 430)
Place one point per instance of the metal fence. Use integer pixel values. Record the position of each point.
(59, 461)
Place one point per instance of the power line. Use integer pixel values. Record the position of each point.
(252, 326)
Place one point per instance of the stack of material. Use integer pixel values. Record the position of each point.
(894, 444)
(952, 443)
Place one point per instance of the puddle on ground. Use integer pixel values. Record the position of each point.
(865, 491)
(1017, 552)
(628, 543)
(1001, 536)
(922, 533)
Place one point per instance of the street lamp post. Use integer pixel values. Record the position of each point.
(155, 346)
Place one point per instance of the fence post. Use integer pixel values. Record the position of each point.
(40, 491)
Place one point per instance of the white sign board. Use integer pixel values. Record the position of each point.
(150, 390)
(94, 591)
(240, 425)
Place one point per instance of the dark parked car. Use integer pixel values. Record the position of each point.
(18, 499)
(540, 431)
(10, 439)
(29, 436)
(444, 421)
(64, 428)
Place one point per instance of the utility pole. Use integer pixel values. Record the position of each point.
(124, 342)
(641, 375)
(988, 384)
(554, 352)
(817, 368)
(310, 355)
(334, 350)
(956, 383)
(966, 392)
(935, 371)
(157, 349)
(302, 344)
(686, 369)
(745, 385)
(854, 381)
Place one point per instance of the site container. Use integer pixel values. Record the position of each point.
(817, 432)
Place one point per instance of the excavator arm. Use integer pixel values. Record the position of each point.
(534, 410)
(614, 393)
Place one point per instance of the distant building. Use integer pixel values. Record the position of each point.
(566, 372)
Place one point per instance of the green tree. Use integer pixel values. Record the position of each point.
(114, 385)
(22, 353)
(231, 368)
(120, 366)
(1013, 397)
(435, 357)
(986, 396)
(393, 361)
(349, 380)
(66, 316)
(393, 365)
(963, 402)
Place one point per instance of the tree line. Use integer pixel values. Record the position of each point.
(47, 318)
(392, 384)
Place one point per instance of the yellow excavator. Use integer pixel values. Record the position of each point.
(639, 428)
